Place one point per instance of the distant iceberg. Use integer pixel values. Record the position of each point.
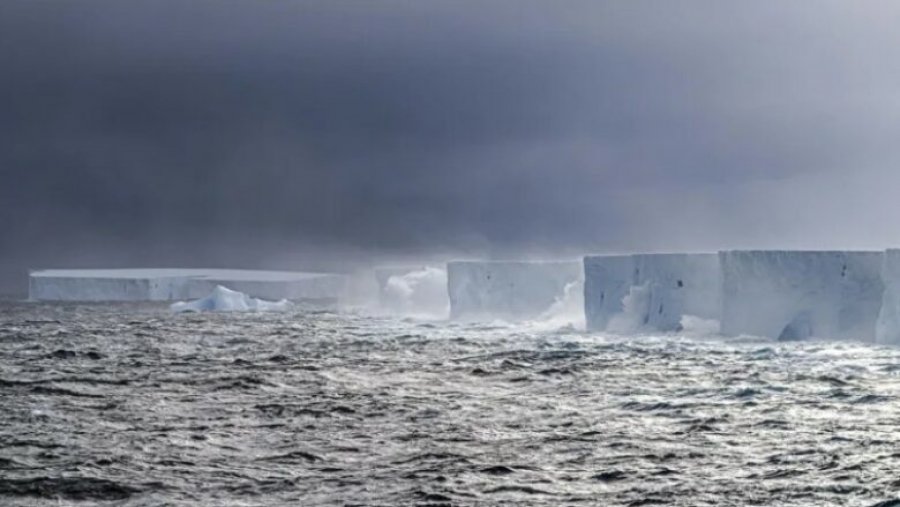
(154, 284)
(223, 299)
(887, 329)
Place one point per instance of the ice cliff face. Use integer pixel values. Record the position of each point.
(507, 290)
(793, 295)
(888, 326)
(608, 281)
(650, 292)
(101, 287)
(171, 284)
(786, 295)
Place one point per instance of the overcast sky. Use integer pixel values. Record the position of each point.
(315, 134)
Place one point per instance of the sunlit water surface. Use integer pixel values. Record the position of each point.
(131, 405)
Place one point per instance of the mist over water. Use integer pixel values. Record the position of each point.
(635, 305)
(418, 293)
(567, 310)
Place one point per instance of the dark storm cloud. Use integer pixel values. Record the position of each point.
(274, 133)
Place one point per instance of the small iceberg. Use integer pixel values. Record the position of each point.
(223, 299)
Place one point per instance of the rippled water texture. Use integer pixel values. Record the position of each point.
(131, 405)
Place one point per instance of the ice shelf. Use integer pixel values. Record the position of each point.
(888, 325)
(154, 284)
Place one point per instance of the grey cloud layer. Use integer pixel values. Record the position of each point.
(254, 133)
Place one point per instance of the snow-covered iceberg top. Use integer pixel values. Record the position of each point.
(223, 299)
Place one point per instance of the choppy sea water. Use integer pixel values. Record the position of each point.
(131, 405)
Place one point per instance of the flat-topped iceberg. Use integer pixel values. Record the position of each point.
(793, 295)
(508, 289)
(888, 325)
(223, 299)
(173, 284)
(650, 292)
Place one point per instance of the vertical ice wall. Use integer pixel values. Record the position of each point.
(791, 295)
(888, 326)
(168, 284)
(608, 280)
(507, 289)
(627, 293)
(109, 285)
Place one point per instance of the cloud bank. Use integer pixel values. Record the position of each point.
(321, 134)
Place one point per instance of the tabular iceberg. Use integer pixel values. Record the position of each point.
(109, 284)
(507, 289)
(628, 293)
(888, 325)
(222, 299)
(172, 284)
(793, 295)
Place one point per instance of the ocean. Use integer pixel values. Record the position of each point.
(132, 405)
